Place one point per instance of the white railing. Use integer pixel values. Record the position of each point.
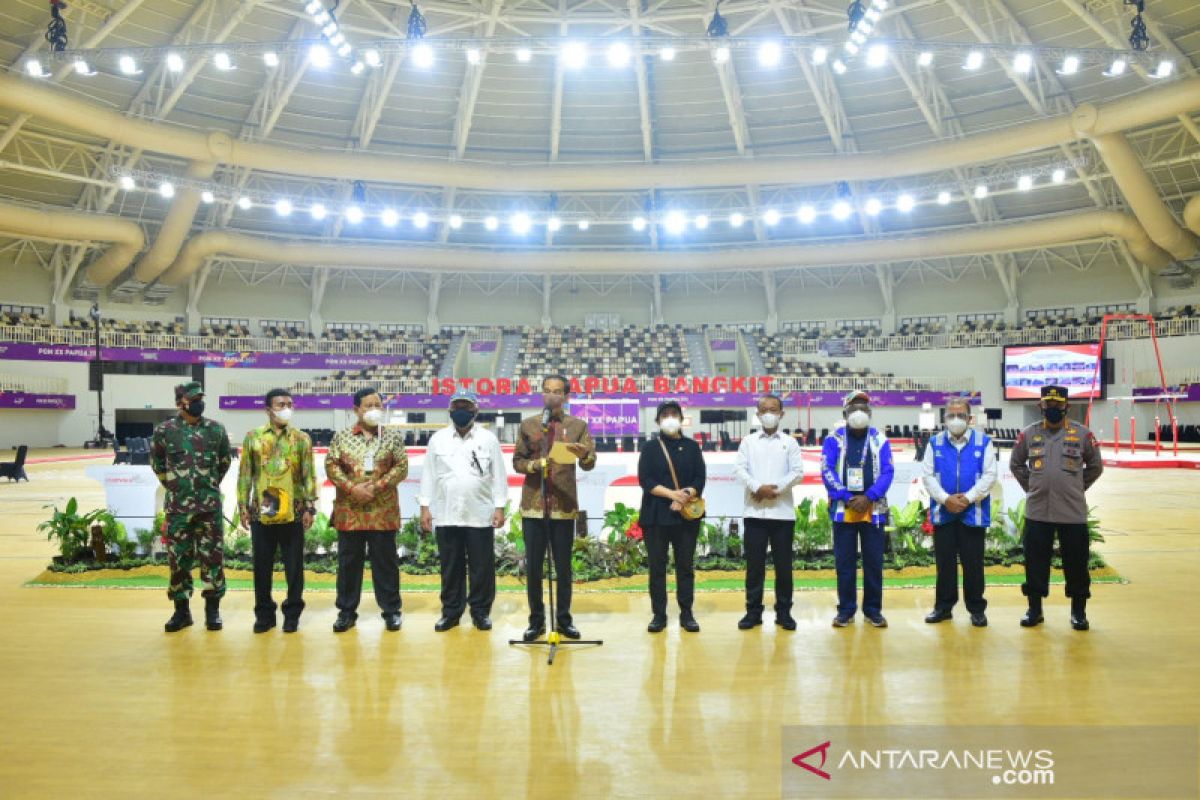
(32, 384)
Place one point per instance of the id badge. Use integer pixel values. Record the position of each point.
(369, 463)
(854, 479)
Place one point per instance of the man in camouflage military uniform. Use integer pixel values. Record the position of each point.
(1056, 461)
(190, 455)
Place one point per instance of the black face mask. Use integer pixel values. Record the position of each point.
(196, 408)
(1054, 414)
(462, 417)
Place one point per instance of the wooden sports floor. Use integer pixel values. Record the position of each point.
(99, 702)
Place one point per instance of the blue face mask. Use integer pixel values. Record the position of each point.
(462, 417)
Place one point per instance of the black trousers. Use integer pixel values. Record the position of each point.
(288, 539)
(953, 542)
(759, 533)
(385, 570)
(1039, 549)
(562, 536)
(464, 551)
(683, 539)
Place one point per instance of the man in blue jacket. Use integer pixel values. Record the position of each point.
(958, 470)
(857, 468)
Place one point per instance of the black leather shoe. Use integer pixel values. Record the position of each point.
(785, 621)
(1032, 618)
(1080, 622)
(749, 621)
(262, 625)
(658, 625)
(688, 623)
(212, 613)
(343, 623)
(979, 620)
(879, 621)
(533, 632)
(291, 625)
(936, 616)
(445, 623)
(182, 618)
(483, 622)
(393, 621)
(841, 621)
(569, 631)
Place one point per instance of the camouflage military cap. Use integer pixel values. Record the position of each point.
(192, 390)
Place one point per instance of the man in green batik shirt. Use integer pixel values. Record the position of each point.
(190, 455)
(277, 501)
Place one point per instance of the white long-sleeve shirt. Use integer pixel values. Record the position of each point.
(769, 459)
(978, 491)
(463, 480)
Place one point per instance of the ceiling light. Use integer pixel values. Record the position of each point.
(943, 198)
(1023, 63)
(456, 221)
(721, 54)
(520, 223)
(318, 56)
(1059, 175)
(127, 183)
(820, 55)
(981, 191)
(618, 55)
(222, 61)
(667, 54)
(841, 210)
(524, 55)
(357, 67)
(82, 68)
(314, 7)
(244, 203)
(1025, 183)
(851, 48)
(675, 223)
(491, 223)
(639, 224)
(771, 217)
(389, 217)
(473, 56)
(925, 59)
(905, 203)
(974, 60)
(339, 41)
(573, 55)
(554, 224)
(372, 58)
(877, 55)
(354, 215)
(271, 59)
(1116, 68)
(769, 54)
(806, 214)
(166, 189)
(330, 29)
(1165, 69)
(33, 68)
(174, 63)
(420, 220)
(737, 219)
(1070, 66)
(422, 56)
(128, 66)
(207, 196)
(839, 67)
(584, 224)
(873, 206)
(317, 211)
(701, 222)
(283, 207)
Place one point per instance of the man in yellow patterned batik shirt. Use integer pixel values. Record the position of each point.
(277, 501)
(366, 463)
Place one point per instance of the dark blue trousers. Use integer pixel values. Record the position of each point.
(848, 537)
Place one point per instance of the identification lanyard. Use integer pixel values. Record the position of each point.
(369, 456)
(855, 475)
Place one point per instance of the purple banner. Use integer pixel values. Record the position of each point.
(723, 344)
(419, 402)
(19, 351)
(484, 347)
(1188, 393)
(609, 417)
(53, 402)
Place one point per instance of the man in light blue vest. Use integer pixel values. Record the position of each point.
(959, 469)
(856, 466)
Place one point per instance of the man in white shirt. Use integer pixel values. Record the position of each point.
(959, 469)
(464, 487)
(769, 463)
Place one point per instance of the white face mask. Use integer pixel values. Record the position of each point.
(858, 420)
(769, 421)
(670, 425)
(956, 426)
(373, 416)
(283, 415)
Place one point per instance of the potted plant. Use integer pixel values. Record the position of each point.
(70, 529)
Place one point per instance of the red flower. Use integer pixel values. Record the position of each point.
(927, 526)
(634, 532)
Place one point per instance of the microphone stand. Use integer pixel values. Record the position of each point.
(553, 639)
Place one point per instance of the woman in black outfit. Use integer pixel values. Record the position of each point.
(660, 519)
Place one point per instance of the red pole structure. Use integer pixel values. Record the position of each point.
(1157, 432)
(1174, 429)
(1132, 433)
(1117, 426)
(1162, 380)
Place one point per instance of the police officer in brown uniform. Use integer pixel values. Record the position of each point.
(1056, 461)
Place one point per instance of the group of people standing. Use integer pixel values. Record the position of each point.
(464, 489)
